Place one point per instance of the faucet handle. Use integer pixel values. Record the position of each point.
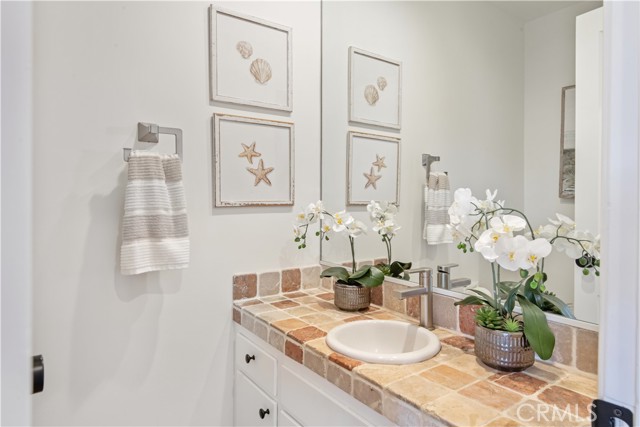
(446, 268)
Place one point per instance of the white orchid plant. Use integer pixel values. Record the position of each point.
(337, 223)
(382, 215)
(505, 238)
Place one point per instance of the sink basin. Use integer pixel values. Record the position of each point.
(384, 341)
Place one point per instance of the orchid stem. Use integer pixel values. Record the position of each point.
(353, 254)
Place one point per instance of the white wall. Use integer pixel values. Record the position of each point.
(550, 52)
(462, 99)
(150, 349)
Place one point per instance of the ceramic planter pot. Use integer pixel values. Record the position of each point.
(505, 351)
(351, 298)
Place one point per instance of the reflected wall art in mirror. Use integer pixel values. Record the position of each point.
(480, 82)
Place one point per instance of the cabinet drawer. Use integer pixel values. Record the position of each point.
(256, 364)
(252, 406)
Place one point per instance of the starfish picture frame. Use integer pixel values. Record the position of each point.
(373, 168)
(253, 161)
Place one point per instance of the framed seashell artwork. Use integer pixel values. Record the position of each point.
(250, 61)
(253, 161)
(375, 89)
(373, 168)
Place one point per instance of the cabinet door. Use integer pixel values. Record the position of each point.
(286, 420)
(252, 406)
(311, 406)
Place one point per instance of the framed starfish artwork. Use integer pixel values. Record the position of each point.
(253, 161)
(373, 168)
(250, 60)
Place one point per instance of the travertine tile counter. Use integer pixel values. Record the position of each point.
(452, 388)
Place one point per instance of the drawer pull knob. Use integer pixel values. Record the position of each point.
(248, 358)
(262, 413)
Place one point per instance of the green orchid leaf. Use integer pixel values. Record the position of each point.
(506, 287)
(398, 267)
(371, 279)
(486, 298)
(536, 329)
(559, 304)
(339, 273)
(471, 300)
(510, 301)
(360, 272)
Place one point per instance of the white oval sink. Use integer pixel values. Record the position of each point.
(384, 341)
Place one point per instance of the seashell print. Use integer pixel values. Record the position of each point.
(245, 49)
(382, 83)
(371, 94)
(261, 70)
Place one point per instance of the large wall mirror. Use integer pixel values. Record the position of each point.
(477, 84)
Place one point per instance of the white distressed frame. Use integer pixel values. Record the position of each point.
(213, 58)
(219, 202)
(376, 137)
(353, 117)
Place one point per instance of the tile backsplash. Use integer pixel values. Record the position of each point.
(576, 348)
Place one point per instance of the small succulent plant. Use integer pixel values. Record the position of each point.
(512, 325)
(489, 318)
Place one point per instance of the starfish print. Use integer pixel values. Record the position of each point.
(379, 162)
(249, 152)
(371, 179)
(261, 173)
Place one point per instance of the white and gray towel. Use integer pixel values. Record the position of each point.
(437, 197)
(155, 233)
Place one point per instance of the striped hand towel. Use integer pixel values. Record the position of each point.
(155, 234)
(437, 197)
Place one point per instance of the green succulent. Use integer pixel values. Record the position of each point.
(489, 318)
(512, 325)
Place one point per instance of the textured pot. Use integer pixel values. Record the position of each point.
(351, 298)
(505, 351)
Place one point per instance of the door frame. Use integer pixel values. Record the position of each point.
(16, 218)
(619, 343)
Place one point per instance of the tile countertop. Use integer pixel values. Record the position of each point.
(452, 388)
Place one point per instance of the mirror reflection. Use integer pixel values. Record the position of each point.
(478, 87)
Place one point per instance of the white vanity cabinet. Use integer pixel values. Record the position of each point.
(270, 389)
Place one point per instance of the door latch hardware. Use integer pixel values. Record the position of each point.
(38, 374)
(603, 414)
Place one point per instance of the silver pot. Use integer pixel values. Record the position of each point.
(505, 351)
(351, 298)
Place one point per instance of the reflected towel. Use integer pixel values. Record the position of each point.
(437, 197)
(155, 233)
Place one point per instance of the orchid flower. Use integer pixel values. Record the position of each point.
(535, 251)
(341, 220)
(512, 252)
(507, 224)
(356, 228)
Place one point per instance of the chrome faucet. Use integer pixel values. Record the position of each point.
(425, 279)
(444, 278)
(444, 275)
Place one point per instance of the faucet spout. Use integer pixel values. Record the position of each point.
(425, 291)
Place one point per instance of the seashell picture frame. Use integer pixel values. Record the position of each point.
(250, 61)
(375, 89)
